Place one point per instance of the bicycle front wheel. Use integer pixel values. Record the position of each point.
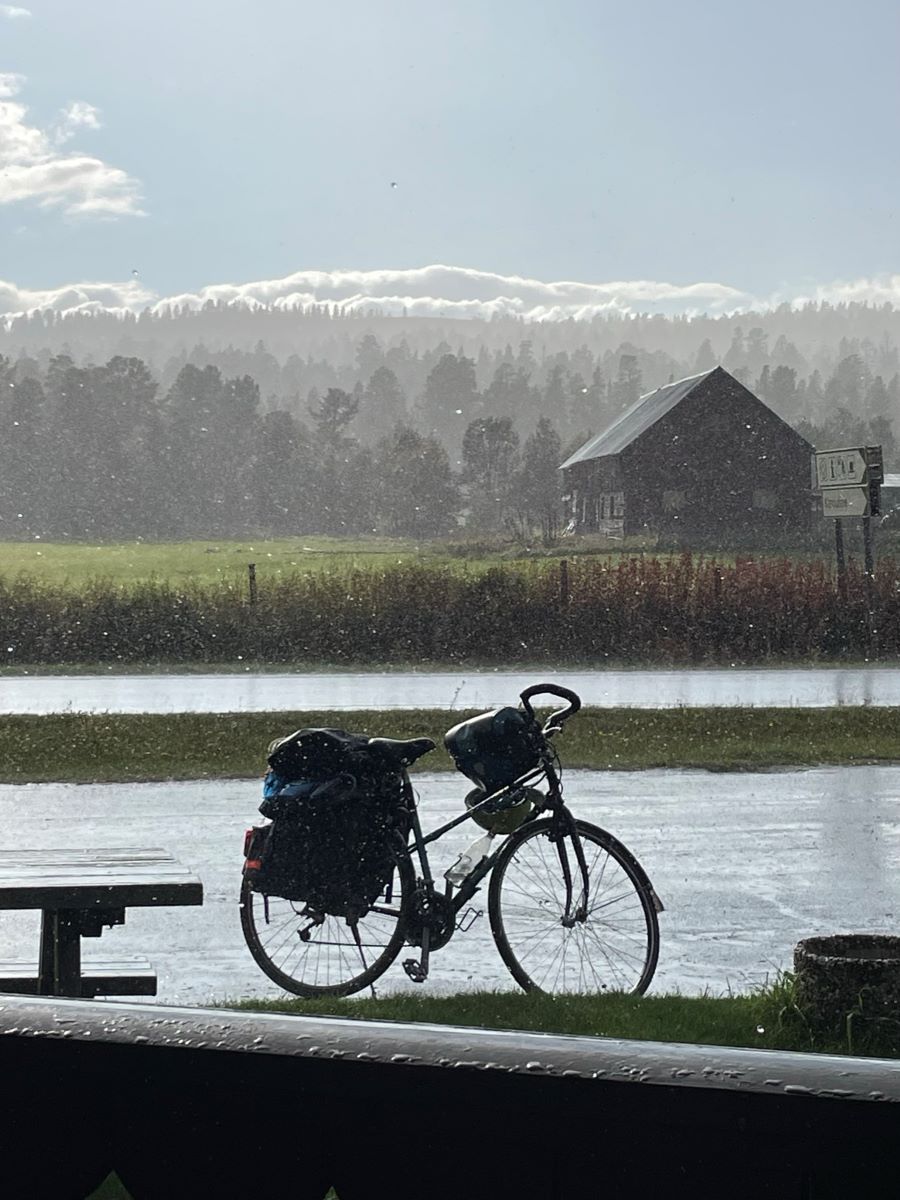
(317, 954)
(612, 943)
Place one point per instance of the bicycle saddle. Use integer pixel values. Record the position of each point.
(402, 752)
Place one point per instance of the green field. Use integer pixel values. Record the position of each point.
(212, 561)
(198, 562)
(76, 563)
(77, 748)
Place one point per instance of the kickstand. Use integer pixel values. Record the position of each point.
(354, 926)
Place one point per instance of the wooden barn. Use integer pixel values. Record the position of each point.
(702, 462)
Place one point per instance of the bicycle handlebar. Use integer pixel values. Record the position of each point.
(552, 689)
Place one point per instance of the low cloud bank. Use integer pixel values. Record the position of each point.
(440, 291)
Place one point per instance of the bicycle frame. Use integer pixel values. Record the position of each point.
(557, 809)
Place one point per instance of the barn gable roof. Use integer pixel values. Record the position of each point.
(637, 420)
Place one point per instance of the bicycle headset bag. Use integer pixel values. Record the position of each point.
(495, 748)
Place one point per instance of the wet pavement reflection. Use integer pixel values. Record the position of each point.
(814, 687)
(746, 864)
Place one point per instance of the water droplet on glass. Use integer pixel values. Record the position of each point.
(760, 1029)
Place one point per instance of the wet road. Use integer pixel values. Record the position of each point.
(746, 865)
(816, 687)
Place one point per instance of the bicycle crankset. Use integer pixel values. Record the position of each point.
(436, 914)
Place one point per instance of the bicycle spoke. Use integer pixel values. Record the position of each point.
(332, 957)
(612, 948)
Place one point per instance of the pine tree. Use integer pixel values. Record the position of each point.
(626, 388)
(450, 400)
(757, 351)
(418, 496)
(383, 405)
(538, 494)
(489, 456)
(736, 354)
(369, 355)
(705, 359)
(23, 474)
(282, 466)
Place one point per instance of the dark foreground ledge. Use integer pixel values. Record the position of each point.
(213, 1104)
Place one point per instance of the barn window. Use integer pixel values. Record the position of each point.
(673, 500)
(765, 499)
(618, 504)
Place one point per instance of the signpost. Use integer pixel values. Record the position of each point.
(850, 482)
(840, 468)
(845, 502)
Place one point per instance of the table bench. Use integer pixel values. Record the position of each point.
(80, 893)
(119, 977)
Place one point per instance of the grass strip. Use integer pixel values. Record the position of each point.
(766, 1019)
(76, 747)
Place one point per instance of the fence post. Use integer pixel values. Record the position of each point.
(564, 582)
(251, 571)
(840, 559)
(869, 553)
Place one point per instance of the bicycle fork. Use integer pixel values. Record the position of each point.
(578, 916)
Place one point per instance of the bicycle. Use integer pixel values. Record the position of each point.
(571, 910)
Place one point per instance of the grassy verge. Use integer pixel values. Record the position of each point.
(767, 1019)
(73, 747)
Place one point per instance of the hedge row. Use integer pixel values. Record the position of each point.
(635, 610)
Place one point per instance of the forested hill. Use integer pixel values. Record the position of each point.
(286, 349)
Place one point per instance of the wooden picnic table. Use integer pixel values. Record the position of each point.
(80, 893)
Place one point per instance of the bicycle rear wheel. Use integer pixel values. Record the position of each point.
(615, 943)
(316, 954)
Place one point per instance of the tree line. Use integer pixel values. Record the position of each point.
(107, 451)
(100, 452)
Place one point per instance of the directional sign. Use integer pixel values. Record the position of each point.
(841, 468)
(845, 502)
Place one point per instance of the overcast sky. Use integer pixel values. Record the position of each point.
(749, 148)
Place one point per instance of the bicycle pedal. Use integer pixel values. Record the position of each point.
(415, 970)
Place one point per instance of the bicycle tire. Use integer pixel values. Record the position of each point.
(623, 937)
(292, 971)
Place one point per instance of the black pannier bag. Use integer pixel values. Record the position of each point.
(328, 844)
(495, 748)
(316, 754)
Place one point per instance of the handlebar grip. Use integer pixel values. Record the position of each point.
(552, 689)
